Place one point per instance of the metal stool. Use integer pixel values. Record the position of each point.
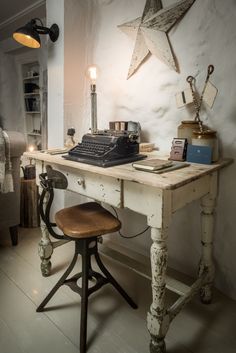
(83, 224)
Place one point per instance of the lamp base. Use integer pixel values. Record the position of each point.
(54, 32)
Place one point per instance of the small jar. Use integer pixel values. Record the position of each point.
(207, 138)
(70, 142)
(185, 130)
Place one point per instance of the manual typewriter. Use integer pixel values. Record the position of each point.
(106, 149)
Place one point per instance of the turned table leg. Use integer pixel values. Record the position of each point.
(157, 319)
(45, 249)
(206, 267)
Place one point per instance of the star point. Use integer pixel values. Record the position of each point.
(150, 32)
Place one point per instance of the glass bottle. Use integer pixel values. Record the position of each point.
(70, 142)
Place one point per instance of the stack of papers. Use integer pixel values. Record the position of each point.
(56, 150)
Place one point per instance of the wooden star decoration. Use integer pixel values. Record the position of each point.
(151, 32)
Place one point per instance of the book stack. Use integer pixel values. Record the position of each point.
(146, 147)
(118, 125)
(131, 126)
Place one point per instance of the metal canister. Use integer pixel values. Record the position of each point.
(207, 138)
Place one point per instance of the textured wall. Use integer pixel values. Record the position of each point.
(206, 35)
(55, 14)
(11, 109)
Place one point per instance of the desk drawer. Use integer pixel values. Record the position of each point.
(99, 187)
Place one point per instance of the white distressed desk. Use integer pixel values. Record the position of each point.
(157, 197)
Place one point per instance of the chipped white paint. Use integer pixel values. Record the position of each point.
(150, 32)
(98, 187)
(148, 194)
(157, 320)
(207, 267)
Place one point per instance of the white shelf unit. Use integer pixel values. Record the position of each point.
(35, 100)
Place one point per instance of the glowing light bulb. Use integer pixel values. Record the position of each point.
(92, 71)
(31, 148)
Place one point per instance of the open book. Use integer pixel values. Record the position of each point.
(152, 164)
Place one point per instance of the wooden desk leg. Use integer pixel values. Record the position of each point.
(158, 319)
(45, 245)
(206, 266)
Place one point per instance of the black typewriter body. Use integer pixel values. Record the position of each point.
(105, 149)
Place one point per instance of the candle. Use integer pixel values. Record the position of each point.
(31, 148)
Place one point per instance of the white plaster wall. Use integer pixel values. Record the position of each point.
(55, 14)
(55, 65)
(206, 35)
(11, 111)
(80, 31)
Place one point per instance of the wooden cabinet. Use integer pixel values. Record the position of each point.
(35, 102)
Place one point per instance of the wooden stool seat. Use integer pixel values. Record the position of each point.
(86, 221)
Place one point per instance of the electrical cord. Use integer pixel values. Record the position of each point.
(132, 236)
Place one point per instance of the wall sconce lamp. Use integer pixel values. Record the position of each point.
(28, 35)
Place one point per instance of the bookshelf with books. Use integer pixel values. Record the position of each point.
(35, 96)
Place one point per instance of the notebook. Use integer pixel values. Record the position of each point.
(152, 164)
(173, 166)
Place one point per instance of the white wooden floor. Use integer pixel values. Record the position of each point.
(113, 327)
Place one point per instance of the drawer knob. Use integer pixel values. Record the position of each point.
(81, 182)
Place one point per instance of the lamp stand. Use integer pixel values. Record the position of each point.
(93, 95)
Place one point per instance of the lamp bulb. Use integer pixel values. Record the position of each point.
(31, 148)
(92, 71)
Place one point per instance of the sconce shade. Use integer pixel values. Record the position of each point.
(28, 35)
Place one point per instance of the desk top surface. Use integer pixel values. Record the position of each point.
(168, 180)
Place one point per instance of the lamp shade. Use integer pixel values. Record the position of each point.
(27, 36)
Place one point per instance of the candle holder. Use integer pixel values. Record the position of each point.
(93, 94)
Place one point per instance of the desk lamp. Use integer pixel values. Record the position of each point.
(28, 35)
(92, 72)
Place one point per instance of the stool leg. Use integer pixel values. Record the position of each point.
(84, 296)
(114, 283)
(58, 284)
